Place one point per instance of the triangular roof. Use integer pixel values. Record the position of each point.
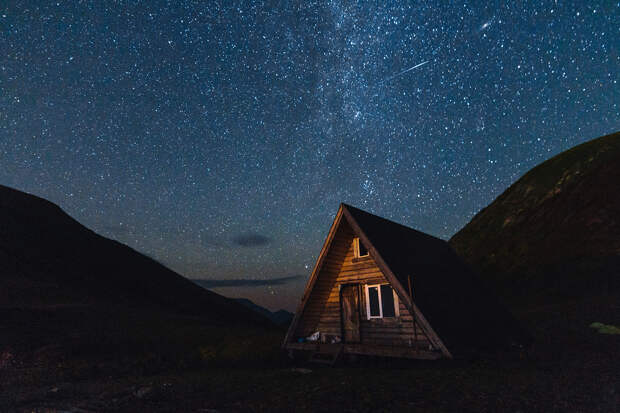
(449, 302)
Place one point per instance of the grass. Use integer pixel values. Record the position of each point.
(605, 328)
(168, 363)
(366, 387)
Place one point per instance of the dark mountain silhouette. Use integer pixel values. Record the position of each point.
(556, 231)
(280, 317)
(49, 259)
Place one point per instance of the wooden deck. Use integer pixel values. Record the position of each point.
(370, 350)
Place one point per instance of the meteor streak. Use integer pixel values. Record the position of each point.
(405, 71)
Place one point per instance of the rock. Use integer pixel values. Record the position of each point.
(6, 359)
(143, 391)
(301, 371)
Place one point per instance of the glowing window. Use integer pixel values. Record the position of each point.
(359, 249)
(381, 301)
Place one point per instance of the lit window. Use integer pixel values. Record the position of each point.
(381, 301)
(359, 249)
(374, 309)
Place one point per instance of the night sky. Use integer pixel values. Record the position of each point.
(220, 137)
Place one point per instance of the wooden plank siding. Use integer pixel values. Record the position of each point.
(322, 310)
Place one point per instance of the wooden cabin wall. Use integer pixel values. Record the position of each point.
(322, 312)
(324, 284)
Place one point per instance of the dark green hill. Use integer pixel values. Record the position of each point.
(76, 305)
(554, 232)
(49, 259)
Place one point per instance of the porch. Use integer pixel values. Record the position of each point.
(368, 350)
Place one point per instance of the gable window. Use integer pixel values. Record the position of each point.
(381, 301)
(359, 250)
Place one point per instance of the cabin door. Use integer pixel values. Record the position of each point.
(350, 313)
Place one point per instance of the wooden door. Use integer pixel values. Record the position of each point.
(350, 313)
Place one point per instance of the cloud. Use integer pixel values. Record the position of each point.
(251, 240)
(245, 282)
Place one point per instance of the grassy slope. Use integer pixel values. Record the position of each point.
(572, 371)
(556, 229)
(75, 305)
(48, 259)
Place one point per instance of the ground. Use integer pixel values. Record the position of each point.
(571, 367)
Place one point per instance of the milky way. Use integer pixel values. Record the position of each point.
(220, 137)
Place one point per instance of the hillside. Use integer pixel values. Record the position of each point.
(280, 317)
(49, 259)
(556, 231)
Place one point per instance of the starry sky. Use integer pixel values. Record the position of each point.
(219, 137)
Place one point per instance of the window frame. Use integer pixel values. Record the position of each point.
(356, 249)
(367, 294)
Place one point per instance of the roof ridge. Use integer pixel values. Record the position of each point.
(413, 230)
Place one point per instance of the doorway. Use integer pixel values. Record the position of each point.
(350, 313)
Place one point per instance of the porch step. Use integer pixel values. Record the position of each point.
(327, 354)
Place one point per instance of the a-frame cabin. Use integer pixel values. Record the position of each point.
(381, 288)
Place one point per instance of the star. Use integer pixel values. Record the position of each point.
(195, 124)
